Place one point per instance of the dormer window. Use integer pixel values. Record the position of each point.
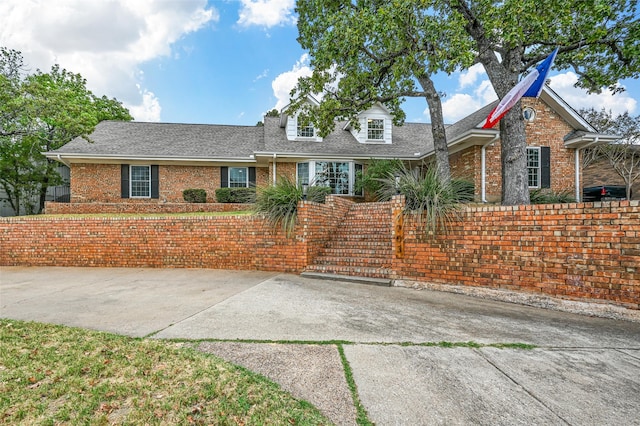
(305, 130)
(375, 129)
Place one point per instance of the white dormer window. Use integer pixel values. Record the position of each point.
(375, 129)
(305, 130)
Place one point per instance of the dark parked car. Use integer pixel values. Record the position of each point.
(604, 193)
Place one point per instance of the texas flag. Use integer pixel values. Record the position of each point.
(530, 87)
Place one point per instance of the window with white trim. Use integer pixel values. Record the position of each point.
(337, 175)
(238, 177)
(140, 182)
(533, 167)
(305, 129)
(375, 129)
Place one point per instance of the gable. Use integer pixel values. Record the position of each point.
(376, 126)
(295, 129)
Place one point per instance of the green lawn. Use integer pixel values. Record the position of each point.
(59, 375)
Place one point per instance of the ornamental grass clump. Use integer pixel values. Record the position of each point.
(279, 203)
(430, 201)
(546, 196)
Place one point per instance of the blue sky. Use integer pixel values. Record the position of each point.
(218, 62)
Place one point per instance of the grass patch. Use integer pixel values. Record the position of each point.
(54, 375)
(361, 414)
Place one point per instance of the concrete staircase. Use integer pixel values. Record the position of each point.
(361, 248)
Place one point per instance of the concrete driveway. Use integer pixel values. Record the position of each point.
(583, 370)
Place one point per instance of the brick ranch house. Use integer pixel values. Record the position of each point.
(154, 162)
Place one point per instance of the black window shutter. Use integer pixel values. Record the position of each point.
(545, 167)
(124, 181)
(252, 177)
(224, 177)
(155, 185)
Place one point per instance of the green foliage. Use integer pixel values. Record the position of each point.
(377, 52)
(546, 196)
(194, 195)
(236, 195)
(430, 201)
(41, 112)
(279, 203)
(317, 194)
(464, 190)
(377, 169)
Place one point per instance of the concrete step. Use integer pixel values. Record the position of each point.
(384, 282)
(349, 270)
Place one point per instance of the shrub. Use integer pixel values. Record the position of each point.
(194, 195)
(279, 203)
(377, 169)
(546, 196)
(318, 194)
(236, 195)
(429, 200)
(464, 190)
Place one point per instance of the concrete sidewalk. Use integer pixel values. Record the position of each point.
(583, 370)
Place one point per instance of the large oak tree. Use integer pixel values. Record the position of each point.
(40, 112)
(363, 51)
(598, 39)
(369, 51)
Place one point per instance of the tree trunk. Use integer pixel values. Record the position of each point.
(515, 182)
(504, 76)
(437, 129)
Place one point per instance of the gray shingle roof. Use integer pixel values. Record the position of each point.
(206, 141)
(168, 140)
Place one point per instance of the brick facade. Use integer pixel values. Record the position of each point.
(467, 163)
(574, 251)
(100, 183)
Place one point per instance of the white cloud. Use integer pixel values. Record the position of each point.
(104, 41)
(459, 105)
(470, 76)
(285, 82)
(266, 13)
(563, 84)
(148, 110)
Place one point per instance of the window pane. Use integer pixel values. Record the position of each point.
(140, 181)
(375, 129)
(333, 174)
(357, 175)
(533, 167)
(305, 130)
(303, 173)
(238, 177)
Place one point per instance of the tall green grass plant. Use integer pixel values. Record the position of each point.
(279, 203)
(429, 201)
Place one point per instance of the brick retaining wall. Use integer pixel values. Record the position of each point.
(219, 242)
(576, 251)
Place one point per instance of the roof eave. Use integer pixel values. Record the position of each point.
(587, 140)
(328, 156)
(78, 157)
